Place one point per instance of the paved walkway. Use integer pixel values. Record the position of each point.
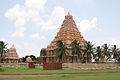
(53, 75)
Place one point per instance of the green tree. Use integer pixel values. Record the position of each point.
(98, 54)
(33, 57)
(76, 49)
(22, 59)
(3, 48)
(106, 52)
(61, 50)
(116, 53)
(88, 52)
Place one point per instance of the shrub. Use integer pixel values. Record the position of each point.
(1, 69)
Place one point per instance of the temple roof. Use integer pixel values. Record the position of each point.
(12, 54)
(67, 33)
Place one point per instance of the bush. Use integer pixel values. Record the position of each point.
(1, 69)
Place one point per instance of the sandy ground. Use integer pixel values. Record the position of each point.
(53, 75)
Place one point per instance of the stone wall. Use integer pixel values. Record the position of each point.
(18, 65)
(67, 65)
(91, 65)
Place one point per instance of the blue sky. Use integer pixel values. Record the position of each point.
(31, 24)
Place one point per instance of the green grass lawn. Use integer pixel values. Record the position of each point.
(97, 77)
(21, 71)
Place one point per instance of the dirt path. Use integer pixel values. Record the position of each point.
(53, 75)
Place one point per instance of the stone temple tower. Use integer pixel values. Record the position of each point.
(67, 33)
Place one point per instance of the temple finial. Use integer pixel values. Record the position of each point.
(68, 13)
(12, 45)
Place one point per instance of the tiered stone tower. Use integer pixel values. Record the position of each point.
(11, 56)
(68, 33)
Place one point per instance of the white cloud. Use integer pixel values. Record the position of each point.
(22, 13)
(27, 49)
(34, 8)
(55, 19)
(87, 25)
(19, 24)
(37, 36)
(18, 13)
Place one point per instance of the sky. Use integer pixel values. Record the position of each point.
(30, 25)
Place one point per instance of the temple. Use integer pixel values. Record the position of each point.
(11, 56)
(67, 33)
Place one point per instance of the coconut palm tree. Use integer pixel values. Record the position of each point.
(118, 56)
(3, 48)
(106, 52)
(88, 52)
(61, 50)
(115, 53)
(98, 54)
(73, 45)
(76, 49)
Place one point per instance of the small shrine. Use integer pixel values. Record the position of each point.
(28, 59)
(11, 56)
(30, 62)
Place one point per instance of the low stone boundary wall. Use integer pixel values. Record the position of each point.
(91, 65)
(14, 65)
(67, 65)
(18, 65)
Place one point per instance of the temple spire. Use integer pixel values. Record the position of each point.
(67, 33)
(13, 46)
